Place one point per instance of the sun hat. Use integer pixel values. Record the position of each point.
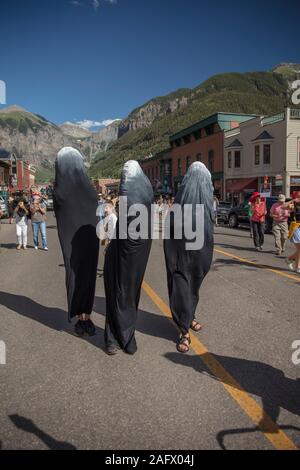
(254, 196)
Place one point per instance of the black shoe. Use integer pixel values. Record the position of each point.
(131, 348)
(111, 350)
(89, 327)
(80, 328)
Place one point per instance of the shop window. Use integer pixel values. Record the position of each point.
(256, 154)
(267, 154)
(237, 159)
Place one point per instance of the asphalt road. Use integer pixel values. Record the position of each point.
(237, 388)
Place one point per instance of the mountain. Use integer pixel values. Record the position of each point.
(147, 129)
(38, 140)
(74, 130)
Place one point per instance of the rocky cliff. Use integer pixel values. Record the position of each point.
(38, 140)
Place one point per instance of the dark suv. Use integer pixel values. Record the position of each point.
(239, 215)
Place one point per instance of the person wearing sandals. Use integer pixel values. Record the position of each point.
(187, 266)
(293, 261)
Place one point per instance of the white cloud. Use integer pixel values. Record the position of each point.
(89, 124)
(95, 3)
(107, 122)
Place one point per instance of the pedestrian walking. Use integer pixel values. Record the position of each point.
(75, 205)
(258, 208)
(21, 213)
(125, 265)
(107, 226)
(186, 269)
(10, 208)
(38, 220)
(280, 214)
(293, 261)
(101, 207)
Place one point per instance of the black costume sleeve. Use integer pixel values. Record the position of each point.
(186, 269)
(125, 264)
(75, 205)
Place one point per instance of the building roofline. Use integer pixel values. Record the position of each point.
(205, 122)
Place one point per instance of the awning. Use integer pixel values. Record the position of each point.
(237, 186)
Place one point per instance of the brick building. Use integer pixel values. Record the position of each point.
(15, 173)
(203, 141)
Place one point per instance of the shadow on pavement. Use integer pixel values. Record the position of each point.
(57, 319)
(231, 432)
(9, 246)
(54, 318)
(28, 425)
(244, 235)
(148, 323)
(243, 248)
(257, 378)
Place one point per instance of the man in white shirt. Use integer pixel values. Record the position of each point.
(107, 226)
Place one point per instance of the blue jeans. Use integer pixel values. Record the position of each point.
(36, 228)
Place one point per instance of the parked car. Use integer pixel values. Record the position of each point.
(239, 215)
(3, 207)
(223, 211)
(49, 203)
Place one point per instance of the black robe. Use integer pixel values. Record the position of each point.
(186, 269)
(125, 264)
(75, 205)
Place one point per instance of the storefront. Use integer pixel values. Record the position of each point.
(237, 190)
(294, 183)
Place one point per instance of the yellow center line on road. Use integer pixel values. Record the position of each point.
(258, 265)
(269, 429)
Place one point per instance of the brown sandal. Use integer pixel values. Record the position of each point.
(184, 341)
(195, 326)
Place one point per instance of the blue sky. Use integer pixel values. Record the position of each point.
(96, 60)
